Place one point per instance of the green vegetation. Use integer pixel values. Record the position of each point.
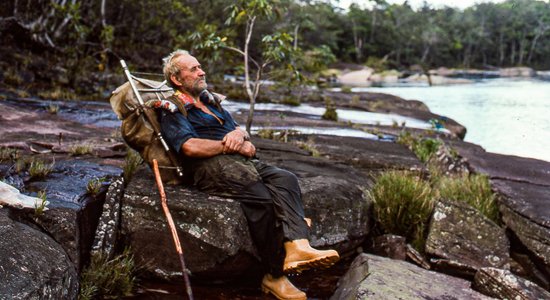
(309, 146)
(53, 108)
(291, 100)
(108, 278)
(39, 169)
(8, 154)
(81, 149)
(474, 189)
(345, 89)
(330, 112)
(94, 185)
(403, 203)
(131, 163)
(40, 207)
(424, 148)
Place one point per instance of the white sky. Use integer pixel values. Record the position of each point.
(418, 3)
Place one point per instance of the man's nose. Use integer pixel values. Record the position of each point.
(201, 72)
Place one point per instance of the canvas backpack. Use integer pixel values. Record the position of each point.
(138, 131)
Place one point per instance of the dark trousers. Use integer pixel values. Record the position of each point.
(270, 198)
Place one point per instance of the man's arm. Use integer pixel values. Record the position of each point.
(234, 140)
(204, 148)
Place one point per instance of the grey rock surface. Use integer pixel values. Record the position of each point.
(33, 265)
(373, 277)
(459, 233)
(502, 284)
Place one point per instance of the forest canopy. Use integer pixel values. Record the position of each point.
(98, 33)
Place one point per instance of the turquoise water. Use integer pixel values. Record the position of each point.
(502, 115)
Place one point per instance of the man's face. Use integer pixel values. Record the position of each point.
(191, 77)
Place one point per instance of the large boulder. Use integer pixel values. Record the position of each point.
(214, 231)
(502, 284)
(374, 277)
(459, 233)
(33, 265)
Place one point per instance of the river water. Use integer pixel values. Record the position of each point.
(502, 115)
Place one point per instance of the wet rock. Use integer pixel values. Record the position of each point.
(517, 72)
(215, 232)
(502, 284)
(373, 277)
(33, 265)
(466, 239)
(73, 212)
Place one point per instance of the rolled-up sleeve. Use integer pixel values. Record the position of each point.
(176, 129)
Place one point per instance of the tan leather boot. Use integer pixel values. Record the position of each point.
(281, 288)
(301, 256)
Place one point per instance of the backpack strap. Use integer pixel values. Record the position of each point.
(182, 102)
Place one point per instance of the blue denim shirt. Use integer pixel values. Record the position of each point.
(177, 129)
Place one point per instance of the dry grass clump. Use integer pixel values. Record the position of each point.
(131, 163)
(39, 169)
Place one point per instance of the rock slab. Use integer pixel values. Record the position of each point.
(373, 277)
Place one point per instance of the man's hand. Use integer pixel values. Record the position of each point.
(247, 150)
(233, 141)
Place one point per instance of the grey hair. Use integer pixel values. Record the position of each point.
(169, 67)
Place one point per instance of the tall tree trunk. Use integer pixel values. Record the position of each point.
(373, 26)
(501, 48)
(296, 29)
(249, 92)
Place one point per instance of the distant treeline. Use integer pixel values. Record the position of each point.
(96, 33)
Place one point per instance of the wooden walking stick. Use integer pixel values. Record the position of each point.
(172, 226)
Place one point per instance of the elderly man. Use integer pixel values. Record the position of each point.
(220, 160)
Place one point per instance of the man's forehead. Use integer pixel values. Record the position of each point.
(187, 61)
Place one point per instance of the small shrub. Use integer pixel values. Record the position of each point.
(266, 133)
(355, 100)
(40, 207)
(53, 108)
(330, 112)
(474, 189)
(82, 149)
(345, 89)
(403, 204)
(94, 185)
(131, 163)
(108, 278)
(293, 101)
(39, 169)
(425, 148)
(8, 154)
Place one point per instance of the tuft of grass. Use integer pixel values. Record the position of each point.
(106, 278)
(345, 89)
(330, 112)
(94, 185)
(40, 207)
(403, 203)
(131, 163)
(475, 189)
(82, 149)
(355, 100)
(293, 101)
(40, 169)
(309, 146)
(52, 108)
(8, 154)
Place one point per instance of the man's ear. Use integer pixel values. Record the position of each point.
(175, 80)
